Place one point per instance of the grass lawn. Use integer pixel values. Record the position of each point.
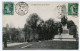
(45, 45)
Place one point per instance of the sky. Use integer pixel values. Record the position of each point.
(45, 10)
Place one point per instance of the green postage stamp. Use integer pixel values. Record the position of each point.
(8, 8)
(72, 8)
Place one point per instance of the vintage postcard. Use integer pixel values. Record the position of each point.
(40, 25)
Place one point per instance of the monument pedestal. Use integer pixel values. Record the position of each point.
(64, 35)
(65, 39)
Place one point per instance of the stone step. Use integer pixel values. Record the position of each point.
(63, 36)
(73, 39)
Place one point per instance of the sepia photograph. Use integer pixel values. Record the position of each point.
(40, 25)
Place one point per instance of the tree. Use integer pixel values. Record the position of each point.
(32, 26)
(13, 33)
(70, 23)
(73, 31)
(5, 35)
(72, 28)
(60, 29)
(40, 30)
(49, 28)
(56, 28)
(26, 30)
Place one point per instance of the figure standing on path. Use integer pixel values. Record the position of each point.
(5, 40)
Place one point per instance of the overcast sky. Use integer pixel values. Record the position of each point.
(45, 10)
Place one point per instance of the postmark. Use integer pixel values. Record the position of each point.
(21, 8)
(8, 8)
(72, 8)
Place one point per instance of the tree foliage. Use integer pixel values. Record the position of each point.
(30, 27)
(72, 28)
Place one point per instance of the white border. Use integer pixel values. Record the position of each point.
(32, 0)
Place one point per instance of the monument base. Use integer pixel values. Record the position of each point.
(64, 37)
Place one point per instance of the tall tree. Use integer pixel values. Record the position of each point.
(40, 30)
(49, 29)
(32, 25)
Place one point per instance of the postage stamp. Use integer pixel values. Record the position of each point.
(8, 8)
(72, 8)
(21, 8)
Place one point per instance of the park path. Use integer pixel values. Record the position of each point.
(14, 44)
